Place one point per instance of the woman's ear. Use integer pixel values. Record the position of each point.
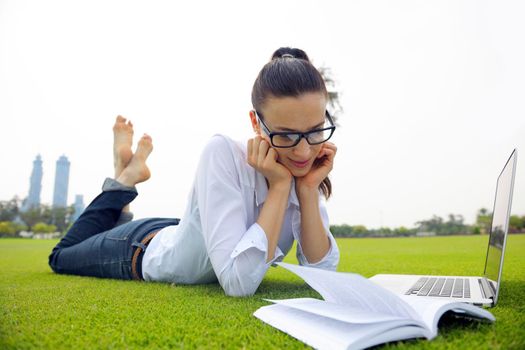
(255, 122)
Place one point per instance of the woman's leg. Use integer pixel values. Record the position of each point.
(122, 154)
(107, 254)
(105, 211)
(102, 214)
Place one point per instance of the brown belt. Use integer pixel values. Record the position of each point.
(140, 249)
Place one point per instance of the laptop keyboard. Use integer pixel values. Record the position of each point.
(441, 287)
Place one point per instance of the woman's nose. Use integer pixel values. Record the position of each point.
(302, 149)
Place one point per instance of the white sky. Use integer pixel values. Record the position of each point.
(433, 93)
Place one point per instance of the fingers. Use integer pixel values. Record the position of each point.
(326, 158)
(249, 152)
(263, 152)
(252, 151)
(272, 154)
(257, 151)
(330, 146)
(330, 155)
(333, 150)
(329, 150)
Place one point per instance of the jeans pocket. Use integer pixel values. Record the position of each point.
(119, 233)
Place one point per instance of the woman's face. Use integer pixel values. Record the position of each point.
(299, 114)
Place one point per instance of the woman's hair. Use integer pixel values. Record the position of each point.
(289, 74)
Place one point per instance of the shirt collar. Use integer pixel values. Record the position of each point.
(261, 191)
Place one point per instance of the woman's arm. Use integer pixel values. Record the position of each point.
(272, 215)
(237, 245)
(314, 240)
(263, 158)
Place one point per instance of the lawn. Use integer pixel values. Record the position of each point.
(39, 309)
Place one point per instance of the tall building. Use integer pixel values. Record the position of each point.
(61, 182)
(79, 206)
(35, 185)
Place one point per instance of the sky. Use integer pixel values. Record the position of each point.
(432, 91)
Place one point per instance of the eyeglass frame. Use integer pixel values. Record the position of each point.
(302, 135)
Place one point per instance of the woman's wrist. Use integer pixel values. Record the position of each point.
(280, 185)
(307, 193)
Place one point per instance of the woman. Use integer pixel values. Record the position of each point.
(247, 204)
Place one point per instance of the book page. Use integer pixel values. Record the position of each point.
(338, 312)
(353, 290)
(326, 333)
(431, 310)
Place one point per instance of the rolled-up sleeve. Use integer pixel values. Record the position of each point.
(237, 248)
(331, 259)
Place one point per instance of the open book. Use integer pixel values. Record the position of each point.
(356, 313)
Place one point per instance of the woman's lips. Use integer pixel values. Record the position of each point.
(300, 164)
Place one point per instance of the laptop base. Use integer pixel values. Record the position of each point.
(400, 284)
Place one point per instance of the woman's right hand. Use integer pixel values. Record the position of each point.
(263, 158)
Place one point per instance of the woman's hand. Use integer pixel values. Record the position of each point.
(263, 158)
(319, 171)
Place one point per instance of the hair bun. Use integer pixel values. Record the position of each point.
(290, 52)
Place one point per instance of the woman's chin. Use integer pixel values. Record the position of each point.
(299, 172)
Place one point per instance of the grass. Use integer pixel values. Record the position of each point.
(39, 309)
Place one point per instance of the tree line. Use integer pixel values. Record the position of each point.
(436, 225)
(46, 219)
(38, 219)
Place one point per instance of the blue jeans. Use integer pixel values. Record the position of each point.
(95, 246)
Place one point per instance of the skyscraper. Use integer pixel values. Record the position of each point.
(79, 207)
(61, 182)
(35, 185)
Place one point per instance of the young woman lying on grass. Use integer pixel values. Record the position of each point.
(248, 203)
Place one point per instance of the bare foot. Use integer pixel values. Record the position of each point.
(122, 141)
(137, 171)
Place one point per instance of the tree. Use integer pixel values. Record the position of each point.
(10, 228)
(484, 220)
(31, 216)
(455, 225)
(60, 217)
(9, 209)
(359, 230)
(403, 231)
(7, 228)
(434, 224)
(42, 227)
(341, 230)
(384, 232)
(333, 95)
(41, 213)
(516, 224)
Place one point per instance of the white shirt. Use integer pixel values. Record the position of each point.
(218, 237)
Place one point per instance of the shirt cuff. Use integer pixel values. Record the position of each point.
(256, 238)
(328, 262)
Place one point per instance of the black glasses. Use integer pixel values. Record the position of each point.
(292, 139)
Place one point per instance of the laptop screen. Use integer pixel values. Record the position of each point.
(500, 221)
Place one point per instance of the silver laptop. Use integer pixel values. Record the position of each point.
(476, 290)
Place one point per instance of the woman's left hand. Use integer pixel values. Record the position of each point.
(320, 169)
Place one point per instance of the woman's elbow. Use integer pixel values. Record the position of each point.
(237, 294)
(238, 288)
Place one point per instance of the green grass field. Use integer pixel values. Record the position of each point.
(39, 309)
